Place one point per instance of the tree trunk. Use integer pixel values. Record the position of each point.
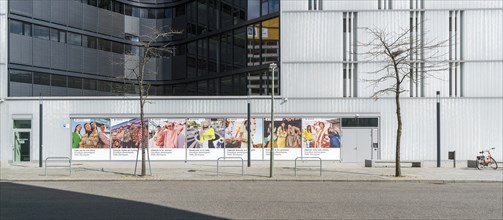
(142, 132)
(398, 170)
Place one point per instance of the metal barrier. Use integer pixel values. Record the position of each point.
(225, 158)
(302, 158)
(59, 158)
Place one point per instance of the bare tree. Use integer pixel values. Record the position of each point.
(150, 46)
(406, 57)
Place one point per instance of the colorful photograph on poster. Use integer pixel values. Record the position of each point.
(287, 133)
(90, 133)
(236, 133)
(321, 133)
(205, 133)
(166, 133)
(126, 133)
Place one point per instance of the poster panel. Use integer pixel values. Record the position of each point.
(126, 138)
(205, 138)
(236, 138)
(321, 138)
(90, 138)
(166, 139)
(287, 136)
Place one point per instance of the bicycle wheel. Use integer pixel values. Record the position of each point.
(493, 164)
(479, 164)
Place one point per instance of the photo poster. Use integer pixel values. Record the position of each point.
(287, 135)
(126, 137)
(321, 138)
(236, 138)
(166, 138)
(90, 138)
(205, 138)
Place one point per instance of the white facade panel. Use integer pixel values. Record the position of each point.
(393, 22)
(436, 32)
(448, 4)
(311, 36)
(483, 35)
(312, 80)
(287, 5)
(349, 5)
(483, 79)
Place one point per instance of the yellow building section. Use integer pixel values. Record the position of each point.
(270, 30)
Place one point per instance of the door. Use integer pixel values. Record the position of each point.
(22, 145)
(356, 145)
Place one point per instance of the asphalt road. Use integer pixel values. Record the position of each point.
(249, 200)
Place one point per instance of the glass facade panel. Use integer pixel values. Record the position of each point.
(16, 27)
(41, 32)
(253, 9)
(253, 45)
(270, 41)
(20, 124)
(240, 48)
(74, 39)
(201, 50)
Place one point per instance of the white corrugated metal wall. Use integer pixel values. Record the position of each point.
(468, 124)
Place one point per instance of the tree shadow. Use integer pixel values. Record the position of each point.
(18, 201)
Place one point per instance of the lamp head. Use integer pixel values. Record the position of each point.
(273, 66)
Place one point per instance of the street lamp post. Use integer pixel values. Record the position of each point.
(272, 66)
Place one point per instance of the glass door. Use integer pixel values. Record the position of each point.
(22, 145)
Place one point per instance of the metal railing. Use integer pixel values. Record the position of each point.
(225, 158)
(59, 158)
(309, 159)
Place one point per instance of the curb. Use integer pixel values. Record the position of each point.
(255, 180)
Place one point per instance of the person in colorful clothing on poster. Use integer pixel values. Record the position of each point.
(103, 139)
(76, 136)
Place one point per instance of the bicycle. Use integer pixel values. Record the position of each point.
(482, 161)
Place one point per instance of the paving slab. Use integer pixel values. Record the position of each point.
(259, 171)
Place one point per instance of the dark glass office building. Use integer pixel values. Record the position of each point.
(82, 47)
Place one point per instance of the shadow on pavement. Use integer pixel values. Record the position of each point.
(18, 201)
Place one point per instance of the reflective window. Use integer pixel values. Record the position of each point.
(41, 84)
(128, 10)
(22, 123)
(16, 27)
(104, 45)
(91, 2)
(226, 49)
(240, 47)
(214, 52)
(226, 87)
(253, 9)
(89, 42)
(74, 39)
(118, 7)
(213, 15)
(202, 57)
(202, 14)
(41, 32)
(74, 82)
(105, 4)
(226, 13)
(117, 47)
(191, 59)
(253, 45)
(58, 36)
(270, 41)
(20, 83)
(58, 85)
(27, 29)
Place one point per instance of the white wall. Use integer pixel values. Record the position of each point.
(468, 124)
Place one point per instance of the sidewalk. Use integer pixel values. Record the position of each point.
(259, 171)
